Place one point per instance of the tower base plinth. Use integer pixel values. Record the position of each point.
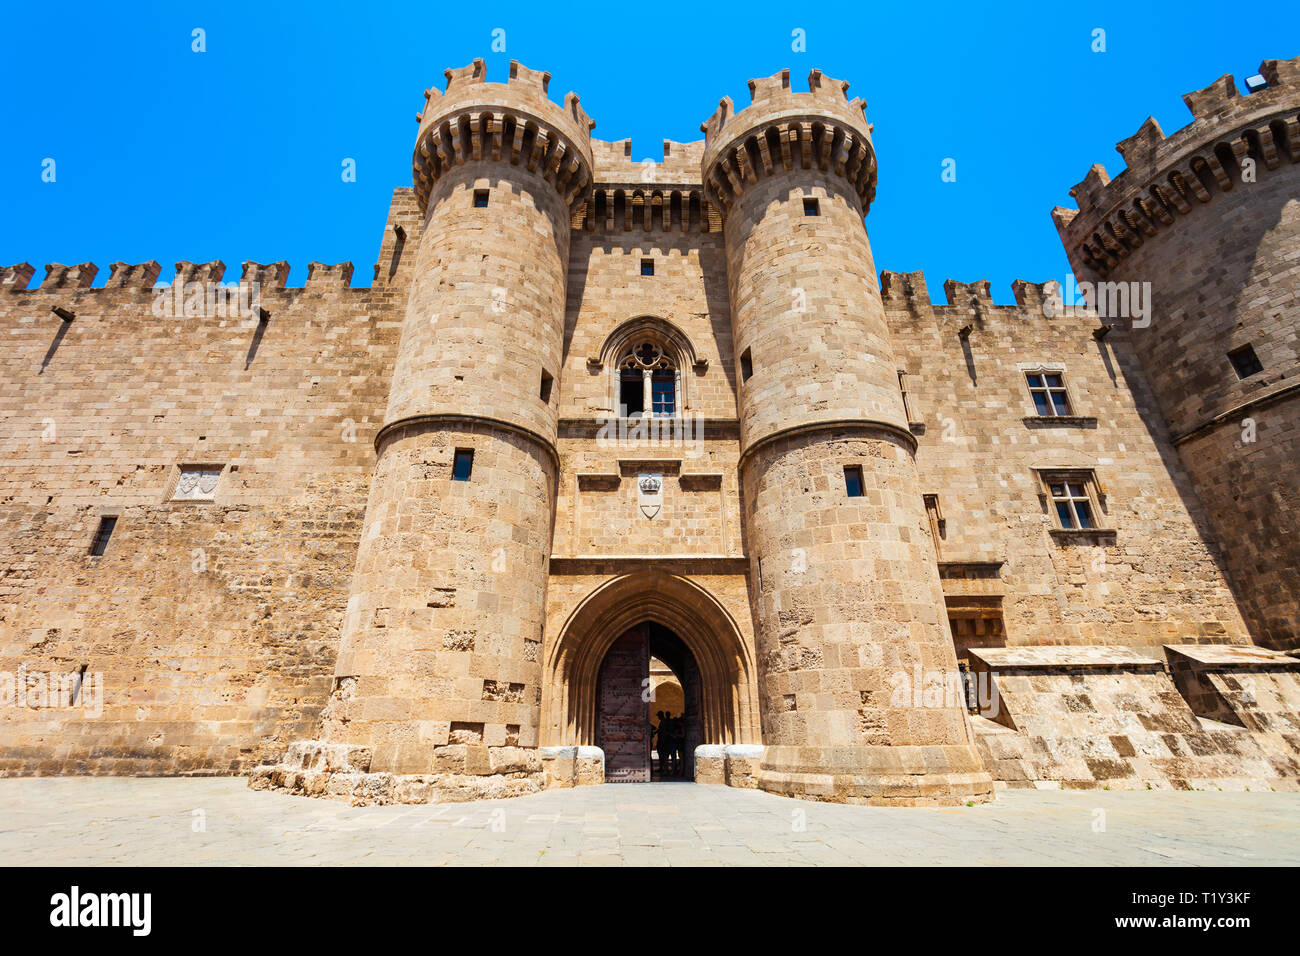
(940, 776)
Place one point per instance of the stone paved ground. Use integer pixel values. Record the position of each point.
(71, 821)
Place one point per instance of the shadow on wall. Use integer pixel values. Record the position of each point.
(1238, 484)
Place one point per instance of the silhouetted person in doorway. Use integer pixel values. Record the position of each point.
(657, 732)
(672, 733)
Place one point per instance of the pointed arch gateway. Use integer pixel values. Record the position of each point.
(728, 688)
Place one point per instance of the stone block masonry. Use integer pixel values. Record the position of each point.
(212, 623)
(376, 544)
(1208, 218)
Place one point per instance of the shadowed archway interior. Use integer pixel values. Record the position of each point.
(728, 693)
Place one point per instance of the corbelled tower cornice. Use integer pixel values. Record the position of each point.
(1167, 177)
(782, 130)
(513, 122)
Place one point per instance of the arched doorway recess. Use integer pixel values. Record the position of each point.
(629, 728)
(728, 709)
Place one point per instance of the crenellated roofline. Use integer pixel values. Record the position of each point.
(1167, 177)
(782, 130)
(514, 122)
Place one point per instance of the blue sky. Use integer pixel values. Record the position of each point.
(236, 153)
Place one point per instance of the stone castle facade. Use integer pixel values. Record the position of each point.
(421, 541)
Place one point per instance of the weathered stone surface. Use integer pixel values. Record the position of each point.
(1207, 219)
(299, 587)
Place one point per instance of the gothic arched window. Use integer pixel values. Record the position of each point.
(645, 360)
(647, 381)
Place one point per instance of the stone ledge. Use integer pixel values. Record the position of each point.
(1234, 656)
(1066, 658)
(1082, 535)
(623, 563)
(1064, 421)
(897, 775)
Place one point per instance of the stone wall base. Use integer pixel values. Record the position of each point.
(565, 767)
(314, 768)
(905, 776)
(734, 765)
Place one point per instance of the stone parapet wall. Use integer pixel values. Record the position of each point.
(202, 641)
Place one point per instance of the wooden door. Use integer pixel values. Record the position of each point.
(623, 716)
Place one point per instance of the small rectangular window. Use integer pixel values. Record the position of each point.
(1245, 361)
(102, 534)
(1072, 502)
(811, 207)
(1049, 394)
(853, 480)
(902, 389)
(480, 198)
(746, 365)
(463, 464)
(935, 515)
(545, 393)
(647, 267)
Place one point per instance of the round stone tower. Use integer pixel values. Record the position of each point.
(1207, 221)
(439, 667)
(852, 637)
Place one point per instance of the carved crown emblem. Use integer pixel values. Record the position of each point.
(650, 485)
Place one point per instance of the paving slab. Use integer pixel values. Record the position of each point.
(97, 821)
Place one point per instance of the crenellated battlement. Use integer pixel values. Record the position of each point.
(125, 275)
(902, 289)
(773, 95)
(630, 194)
(204, 272)
(1168, 176)
(1036, 295)
(907, 291)
(59, 276)
(269, 277)
(323, 276)
(971, 295)
(515, 122)
(14, 278)
(782, 129)
(615, 164)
